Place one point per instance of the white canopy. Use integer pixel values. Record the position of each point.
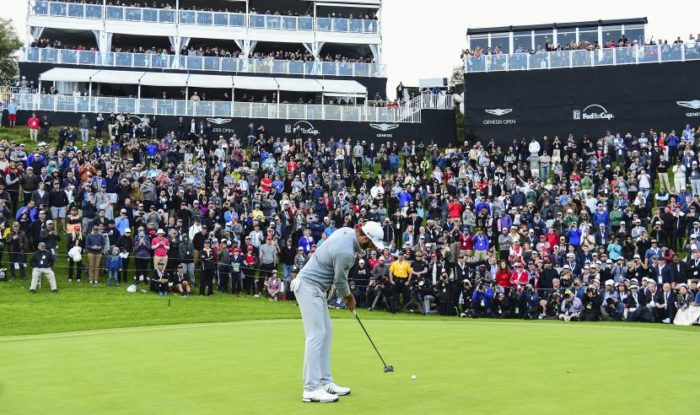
(342, 88)
(210, 81)
(67, 75)
(299, 85)
(255, 82)
(117, 77)
(163, 79)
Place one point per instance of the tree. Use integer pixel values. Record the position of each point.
(9, 43)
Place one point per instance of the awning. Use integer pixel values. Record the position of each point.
(210, 81)
(164, 79)
(67, 75)
(299, 85)
(117, 77)
(257, 83)
(342, 88)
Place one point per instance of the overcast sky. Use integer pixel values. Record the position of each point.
(423, 39)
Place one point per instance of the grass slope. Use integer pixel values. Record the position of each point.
(254, 367)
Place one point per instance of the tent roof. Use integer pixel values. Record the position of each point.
(299, 85)
(210, 81)
(163, 79)
(342, 88)
(68, 75)
(116, 77)
(255, 83)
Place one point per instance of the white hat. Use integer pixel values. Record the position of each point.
(375, 233)
(160, 231)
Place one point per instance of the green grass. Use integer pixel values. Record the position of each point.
(462, 366)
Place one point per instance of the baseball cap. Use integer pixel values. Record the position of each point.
(374, 232)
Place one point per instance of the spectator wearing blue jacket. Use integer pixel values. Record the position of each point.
(672, 142)
(601, 217)
(481, 299)
(113, 264)
(574, 235)
(481, 246)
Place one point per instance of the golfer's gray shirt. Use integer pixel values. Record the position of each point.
(332, 261)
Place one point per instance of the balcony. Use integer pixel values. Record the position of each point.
(201, 63)
(631, 55)
(204, 18)
(90, 104)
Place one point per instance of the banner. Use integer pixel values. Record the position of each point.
(635, 98)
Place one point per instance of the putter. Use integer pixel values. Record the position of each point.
(387, 368)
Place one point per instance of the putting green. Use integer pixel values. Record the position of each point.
(473, 367)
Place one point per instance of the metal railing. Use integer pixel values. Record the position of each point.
(631, 55)
(204, 18)
(92, 104)
(200, 63)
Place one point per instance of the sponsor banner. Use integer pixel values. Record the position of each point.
(437, 126)
(633, 98)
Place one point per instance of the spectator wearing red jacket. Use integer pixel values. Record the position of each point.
(519, 276)
(552, 238)
(503, 275)
(455, 208)
(34, 123)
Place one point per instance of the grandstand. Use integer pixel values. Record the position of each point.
(528, 81)
(274, 63)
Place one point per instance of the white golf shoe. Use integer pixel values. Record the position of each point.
(336, 390)
(319, 395)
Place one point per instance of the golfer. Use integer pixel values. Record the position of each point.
(327, 266)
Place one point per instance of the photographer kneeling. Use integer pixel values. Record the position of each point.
(571, 307)
(592, 302)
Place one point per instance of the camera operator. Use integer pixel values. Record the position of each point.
(424, 294)
(571, 307)
(528, 302)
(419, 269)
(443, 291)
(466, 291)
(592, 302)
(500, 306)
(481, 298)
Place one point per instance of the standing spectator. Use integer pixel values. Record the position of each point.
(12, 113)
(679, 176)
(45, 128)
(142, 256)
(34, 123)
(95, 243)
(662, 168)
(208, 268)
(75, 254)
(186, 253)
(269, 254)
(160, 246)
(84, 126)
(114, 267)
(41, 263)
(17, 244)
(99, 126)
(58, 201)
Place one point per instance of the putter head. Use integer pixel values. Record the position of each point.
(388, 369)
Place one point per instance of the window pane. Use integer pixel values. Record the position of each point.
(635, 34)
(566, 38)
(522, 41)
(591, 37)
(482, 43)
(500, 43)
(542, 38)
(611, 34)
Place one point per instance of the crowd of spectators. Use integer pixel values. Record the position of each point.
(583, 45)
(369, 15)
(572, 228)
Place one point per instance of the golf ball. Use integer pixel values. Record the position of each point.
(413, 377)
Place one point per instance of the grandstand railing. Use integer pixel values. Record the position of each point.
(201, 63)
(631, 55)
(92, 104)
(203, 18)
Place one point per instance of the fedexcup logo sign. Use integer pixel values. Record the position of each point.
(693, 105)
(499, 112)
(306, 128)
(593, 112)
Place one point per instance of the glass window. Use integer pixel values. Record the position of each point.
(588, 36)
(635, 33)
(522, 41)
(479, 42)
(543, 38)
(565, 38)
(612, 34)
(501, 42)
